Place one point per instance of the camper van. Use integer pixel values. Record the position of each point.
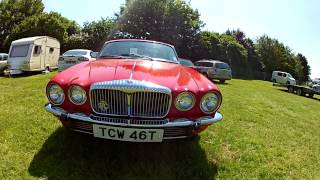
(37, 53)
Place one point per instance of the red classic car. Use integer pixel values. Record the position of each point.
(136, 91)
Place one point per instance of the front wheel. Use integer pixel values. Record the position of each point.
(310, 95)
(300, 92)
(222, 81)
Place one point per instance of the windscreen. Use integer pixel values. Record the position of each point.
(222, 66)
(204, 64)
(75, 53)
(139, 48)
(19, 51)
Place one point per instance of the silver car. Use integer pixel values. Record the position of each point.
(75, 56)
(3, 62)
(214, 69)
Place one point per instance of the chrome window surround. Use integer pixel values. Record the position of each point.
(131, 86)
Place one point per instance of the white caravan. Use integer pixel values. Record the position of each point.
(37, 53)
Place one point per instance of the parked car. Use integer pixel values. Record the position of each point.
(283, 78)
(214, 69)
(316, 81)
(37, 53)
(136, 91)
(3, 62)
(186, 62)
(75, 56)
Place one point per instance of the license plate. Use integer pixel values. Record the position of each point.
(127, 134)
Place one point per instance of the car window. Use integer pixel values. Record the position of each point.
(93, 54)
(5, 57)
(284, 75)
(289, 75)
(279, 74)
(203, 64)
(186, 63)
(19, 51)
(222, 66)
(75, 53)
(139, 48)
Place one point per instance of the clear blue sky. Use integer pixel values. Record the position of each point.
(296, 23)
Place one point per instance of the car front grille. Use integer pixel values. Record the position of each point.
(130, 98)
(129, 121)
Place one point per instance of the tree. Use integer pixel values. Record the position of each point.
(13, 12)
(305, 67)
(276, 56)
(46, 24)
(97, 32)
(171, 21)
(254, 61)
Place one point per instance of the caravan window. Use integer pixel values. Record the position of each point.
(51, 50)
(37, 49)
(19, 51)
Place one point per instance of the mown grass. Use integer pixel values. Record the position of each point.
(266, 134)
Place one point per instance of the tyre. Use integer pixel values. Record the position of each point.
(288, 83)
(4, 71)
(300, 92)
(48, 69)
(310, 95)
(290, 89)
(222, 81)
(274, 80)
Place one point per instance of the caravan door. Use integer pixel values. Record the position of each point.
(36, 58)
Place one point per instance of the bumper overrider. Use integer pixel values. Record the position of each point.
(179, 128)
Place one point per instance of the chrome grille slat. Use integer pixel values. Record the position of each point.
(129, 121)
(148, 100)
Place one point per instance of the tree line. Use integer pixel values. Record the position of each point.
(170, 21)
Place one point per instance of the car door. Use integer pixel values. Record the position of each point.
(284, 78)
(279, 77)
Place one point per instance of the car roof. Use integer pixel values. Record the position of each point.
(280, 72)
(212, 61)
(140, 40)
(79, 50)
(182, 59)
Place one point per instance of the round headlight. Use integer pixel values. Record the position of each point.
(77, 95)
(210, 102)
(185, 101)
(55, 94)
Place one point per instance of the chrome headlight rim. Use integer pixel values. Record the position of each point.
(48, 94)
(217, 105)
(185, 93)
(70, 95)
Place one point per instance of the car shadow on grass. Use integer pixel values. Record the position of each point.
(220, 83)
(68, 155)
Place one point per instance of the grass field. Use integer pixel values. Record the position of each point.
(266, 134)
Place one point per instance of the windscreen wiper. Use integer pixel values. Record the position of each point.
(138, 56)
(112, 57)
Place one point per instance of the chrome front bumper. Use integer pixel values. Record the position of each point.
(178, 123)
